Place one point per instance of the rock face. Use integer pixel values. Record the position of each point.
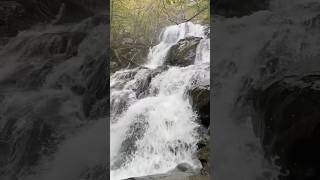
(289, 124)
(285, 97)
(200, 100)
(183, 53)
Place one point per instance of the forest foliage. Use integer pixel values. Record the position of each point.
(136, 25)
(141, 20)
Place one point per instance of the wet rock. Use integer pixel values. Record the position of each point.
(30, 130)
(100, 109)
(204, 156)
(53, 44)
(288, 123)
(49, 89)
(143, 85)
(128, 147)
(283, 105)
(97, 87)
(35, 78)
(200, 100)
(207, 32)
(99, 172)
(183, 167)
(183, 53)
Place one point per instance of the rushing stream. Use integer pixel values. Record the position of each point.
(153, 125)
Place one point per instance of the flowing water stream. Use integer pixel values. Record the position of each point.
(153, 125)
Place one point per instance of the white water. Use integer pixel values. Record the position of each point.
(170, 36)
(160, 126)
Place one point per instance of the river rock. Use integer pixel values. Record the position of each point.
(183, 53)
(204, 156)
(183, 167)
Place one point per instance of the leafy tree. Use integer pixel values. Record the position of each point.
(142, 19)
(136, 24)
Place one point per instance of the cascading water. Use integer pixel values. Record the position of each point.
(169, 37)
(153, 125)
(47, 131)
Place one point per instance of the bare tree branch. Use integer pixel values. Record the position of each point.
(198, 13)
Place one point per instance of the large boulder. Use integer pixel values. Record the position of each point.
(284, 91)
(183, 53)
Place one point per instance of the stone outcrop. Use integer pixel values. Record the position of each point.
(183, 53)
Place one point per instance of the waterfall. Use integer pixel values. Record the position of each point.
(49, 73)
(170, 36)
(153, 125)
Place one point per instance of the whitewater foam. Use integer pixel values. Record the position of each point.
(154, 133)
